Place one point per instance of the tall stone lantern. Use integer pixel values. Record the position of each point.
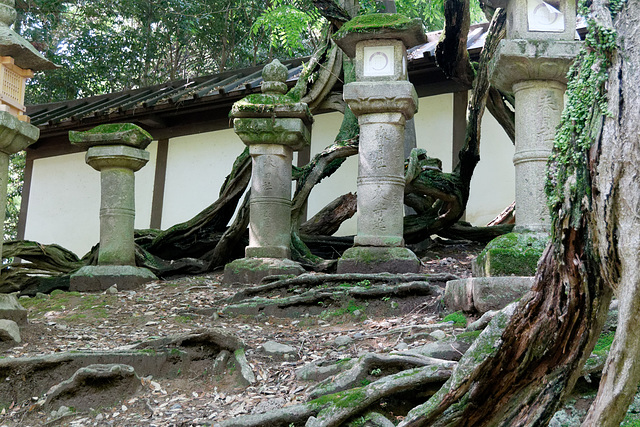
(18, 60)
(383, 100)
(532, 63)
(273, 125)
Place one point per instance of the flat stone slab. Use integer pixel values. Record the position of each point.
(279, 351)
(371, 259)
(11, 309)
(253, 270)
(483, 294)
(112, 134)
(92, 278)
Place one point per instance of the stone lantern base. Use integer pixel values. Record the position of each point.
(101, 277)
(377, 259)
(253, 270)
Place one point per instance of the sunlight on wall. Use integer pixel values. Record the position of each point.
(64, 201)
(196, 168)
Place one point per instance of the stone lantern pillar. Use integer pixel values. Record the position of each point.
(383, 100)
(273, 125)
(116, 151)
(18, 60)
(532, 63)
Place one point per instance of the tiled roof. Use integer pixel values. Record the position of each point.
(162, 105)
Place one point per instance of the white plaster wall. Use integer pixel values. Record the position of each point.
(196, 168)
(493, 183)
(64, 201)
(325, 129)
(434, 127)
(64, 198)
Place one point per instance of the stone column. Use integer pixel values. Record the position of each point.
(270, 204)
(383, 100)
(536, 74)
(116, 151)
(382, 109)
(15, 135)
(116, 164)
(273, 126)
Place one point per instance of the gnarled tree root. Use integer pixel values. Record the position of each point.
(335, 409)
(372, 365)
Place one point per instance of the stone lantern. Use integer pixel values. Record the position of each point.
(116, 151)
(383, 100)
(18, 60)
(273, 125)
(532, 63)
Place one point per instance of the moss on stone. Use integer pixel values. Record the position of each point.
(114, 128)
(375, 21)
(512, 254)
(458, 319)
(343, 399)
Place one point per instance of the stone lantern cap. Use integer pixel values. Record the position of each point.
(12, 44)
(518, 60)
(112, 134)
(379, 26)
(538, 19)
(15, 135)
(273, 102)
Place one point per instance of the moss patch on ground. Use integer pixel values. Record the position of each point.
(73, 306)
(459, 320)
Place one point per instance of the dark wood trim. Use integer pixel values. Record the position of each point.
(159, 180)
(460, 103)
(26, 190)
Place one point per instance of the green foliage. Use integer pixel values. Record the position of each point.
(431, 12)
(285, 26)
(585, 108)
(14, 195)
(107, 46)
(459, 320)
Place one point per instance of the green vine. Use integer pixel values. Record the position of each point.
(582, 117)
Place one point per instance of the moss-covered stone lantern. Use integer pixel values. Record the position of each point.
(18, 60)
(532, 63)
(273, 125)
(383, 100)
(116, 151)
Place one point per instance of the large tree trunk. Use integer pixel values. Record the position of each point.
(616, 207)
(595, 197)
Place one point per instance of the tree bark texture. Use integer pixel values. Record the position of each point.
(616, 195)
(441, 198)
(595, 199)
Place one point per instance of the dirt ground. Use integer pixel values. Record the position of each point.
(65, 321)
